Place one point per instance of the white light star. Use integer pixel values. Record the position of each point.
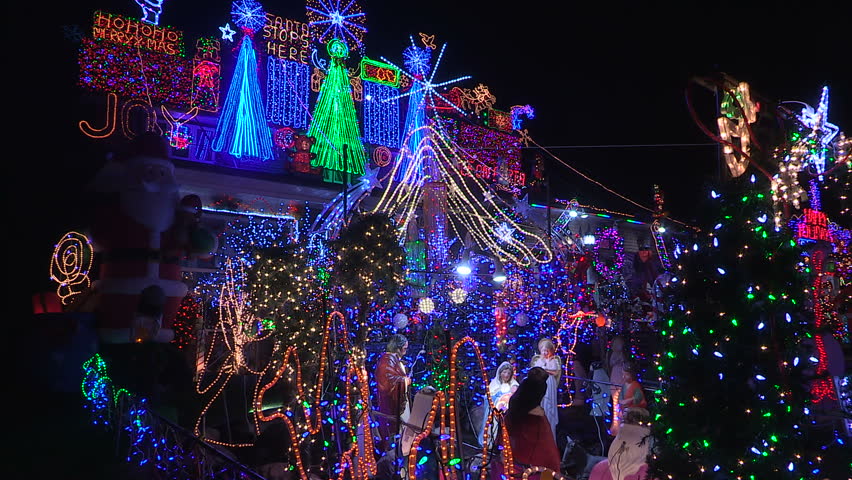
(821, 130)
(370, 178)
(227, 33)
(504, 232)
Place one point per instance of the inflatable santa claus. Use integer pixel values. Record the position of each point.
(142, 230)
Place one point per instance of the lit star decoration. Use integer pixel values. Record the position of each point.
(227, 32)
(519, 111)
(504, 232)
(343, 20)
(822, 132)
(248, 15)
(522, 206)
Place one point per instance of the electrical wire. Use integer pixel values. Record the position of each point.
(599, 184)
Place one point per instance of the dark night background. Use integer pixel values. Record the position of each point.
(600, 75)
(607, 81)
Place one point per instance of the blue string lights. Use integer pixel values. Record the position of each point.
(288, 84)
(242, 129)
(381, 114)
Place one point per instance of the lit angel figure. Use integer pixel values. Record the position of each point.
(236, 331)
(421, 95)
(151, 10)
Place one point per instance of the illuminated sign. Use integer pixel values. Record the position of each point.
(154, 76)
(379, 72)
(287, 39)
(814, 226)
(493, 155)
(137, 34)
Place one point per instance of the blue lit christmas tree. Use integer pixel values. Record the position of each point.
(242, 129)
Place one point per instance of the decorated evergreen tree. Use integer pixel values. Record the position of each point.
(369, 265)
(287, 293)
(338, 146)
(733, 401)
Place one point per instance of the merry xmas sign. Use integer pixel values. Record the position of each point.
(135, 33)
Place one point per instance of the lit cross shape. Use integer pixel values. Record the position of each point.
(422, 82)
(822, 131)
(227, 33)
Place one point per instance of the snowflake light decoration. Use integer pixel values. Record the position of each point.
(248, 15)
(330, 19)
(417, 61)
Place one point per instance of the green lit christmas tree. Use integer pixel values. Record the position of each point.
(338, 146)
(733, 401)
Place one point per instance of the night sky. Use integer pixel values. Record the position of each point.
(600, 76)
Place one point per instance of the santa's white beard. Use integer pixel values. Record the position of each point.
(155, 210)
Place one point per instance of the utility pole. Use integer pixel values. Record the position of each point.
(345, 182)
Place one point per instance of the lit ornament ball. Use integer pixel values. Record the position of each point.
(458, 295)
(600, 320)
(522, 319)
(426, 305)
(400, 321)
